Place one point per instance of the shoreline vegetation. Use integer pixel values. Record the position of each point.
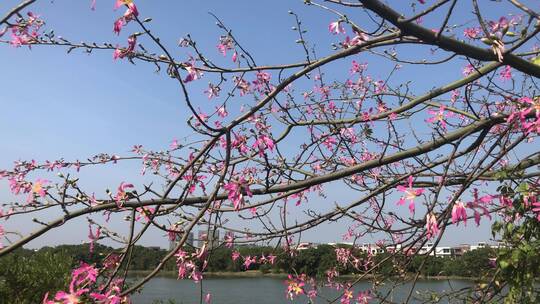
(26, 275)
(283, 275)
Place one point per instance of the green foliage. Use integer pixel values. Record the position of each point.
(519, 261)
(26, 276)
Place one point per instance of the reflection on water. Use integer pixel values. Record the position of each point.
(264, 290)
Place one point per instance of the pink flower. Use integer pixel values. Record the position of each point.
(212, 91)
(121, 194)
(342, 256)
(506, 73)
(2, 233)
(471, 33)
(295, 286)
(459, 212)
(229, 239)
(312, 294)
(222, 112)
(235, 255)
(271, 258)
(118, 25)
(225, 43)
(263, 143)
(119, 3)
(468, 69)
(193, 72)
(329, 142)
(530, 105)
(357, 68)
(239, 143)
(26, 31)
(73, 297)
(336, 28)
(438, 116)
(410, 194)
(243, 85)
(262, 81)
(84, 274)
(432, 227)
(174, 144)
(38, 187)
(93, 236)
(120, 53)
(479, 203)
(363, 297)
(130, 14)
(346, 297)
(236, 191)
(248, 260)
(536, 209)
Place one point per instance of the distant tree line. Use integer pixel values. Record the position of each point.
(26, 275)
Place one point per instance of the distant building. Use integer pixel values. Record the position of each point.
(306, 245)
(213, 240)
(479, 245)
(178, 237)
(443, 251)
(460, 249)
(428, 249)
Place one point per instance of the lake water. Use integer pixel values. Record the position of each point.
(264, 290)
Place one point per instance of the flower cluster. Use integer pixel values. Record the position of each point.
(525, 107)
(236, 191)
(25, 31)
(192, 265)
(409, 194)
(84, 288)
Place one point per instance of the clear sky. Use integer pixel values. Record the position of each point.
(73, 106)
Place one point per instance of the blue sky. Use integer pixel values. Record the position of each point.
(74, 106)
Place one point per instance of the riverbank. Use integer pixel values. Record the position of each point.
(259, 274)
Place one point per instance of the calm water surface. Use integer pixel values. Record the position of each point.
(261, 290)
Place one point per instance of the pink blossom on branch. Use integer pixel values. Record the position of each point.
(409, 194)
(38, 187)
(472, 33)
(236, 191)
(525, 107)
(336, 28)
(119, 3)
(536, 209)
(93, 236)
(438, 116)
(121, 194)
(295, 286)
(235, 255)
(26, 31)
(130, 14)
(263, 143)
(432, 227)
(364, 297)
(248, 260)
(506, 73)
(120, 53)
(193, 72)
(459, 213)
(225, 43)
